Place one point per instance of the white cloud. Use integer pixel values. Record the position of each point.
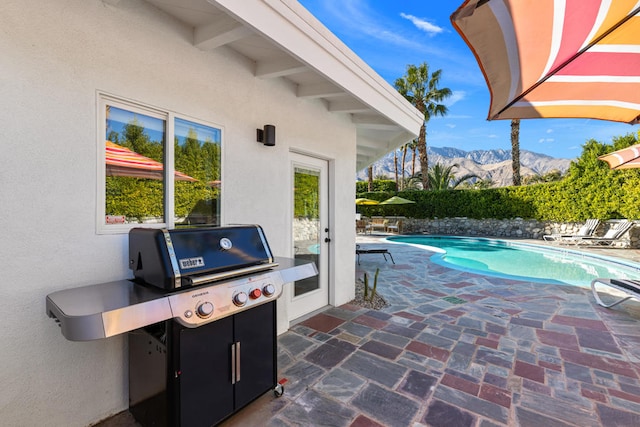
(456, 95)
(549, 130)
(450, 125)
(357, 17)
(493, 135)
(459, 116)
(546, 140)
(423, 24)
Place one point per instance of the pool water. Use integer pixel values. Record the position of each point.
(520, 260)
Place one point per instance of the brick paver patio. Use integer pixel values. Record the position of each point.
(457, 349)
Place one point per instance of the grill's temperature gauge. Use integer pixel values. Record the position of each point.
(225, 244)
(240, 299)
(204, 309)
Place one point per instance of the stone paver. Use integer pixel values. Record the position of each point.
(458, 349)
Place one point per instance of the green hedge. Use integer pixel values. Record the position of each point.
(378, 185)
(590, 190)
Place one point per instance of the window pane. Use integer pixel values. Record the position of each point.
(306, 224)
(197, 155)
(134, 160)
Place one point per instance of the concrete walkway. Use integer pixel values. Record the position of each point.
(457, 349)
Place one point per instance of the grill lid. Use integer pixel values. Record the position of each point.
(172, 259)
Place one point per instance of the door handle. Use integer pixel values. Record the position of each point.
(327, 240)
(235, 362)
(238, 361)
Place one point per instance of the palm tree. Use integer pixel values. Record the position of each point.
(515, 150)
(413, 146)
(395, 166)
(420, 88)
(370, 180)
(442, 177)
(405, 147)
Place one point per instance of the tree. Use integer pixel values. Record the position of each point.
(420, 88)
(442, 177)
(551, 176)
(395, 166)
(370, 180)
(515, 150)
(405, 147)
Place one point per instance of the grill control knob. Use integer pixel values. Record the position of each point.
(240, 299)
(204, 310)
(255, 294)
(268, 290)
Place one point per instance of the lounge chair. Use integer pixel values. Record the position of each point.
(384, 253)
(378, 223)
(586, 230)
(362, 226)
(627, 286)
(394, 227)
(612, 236)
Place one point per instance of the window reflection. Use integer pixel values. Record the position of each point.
(135, 154)
(197, 153)
(134, 157)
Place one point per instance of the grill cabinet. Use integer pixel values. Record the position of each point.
(186, 377)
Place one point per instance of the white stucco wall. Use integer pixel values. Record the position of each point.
(56, 56)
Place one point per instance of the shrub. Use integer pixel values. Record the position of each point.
(590, 190)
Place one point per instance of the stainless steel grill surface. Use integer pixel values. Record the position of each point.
(232, 270)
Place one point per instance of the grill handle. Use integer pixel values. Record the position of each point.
(197, 280)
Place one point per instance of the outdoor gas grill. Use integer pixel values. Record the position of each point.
(201, 320)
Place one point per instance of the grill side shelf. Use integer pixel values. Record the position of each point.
(107, 309)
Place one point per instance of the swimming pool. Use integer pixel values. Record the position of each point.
(521, 261)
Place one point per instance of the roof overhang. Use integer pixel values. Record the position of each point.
(285, 41)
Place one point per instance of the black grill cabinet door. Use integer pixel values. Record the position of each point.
(206, 392)
(255, 330)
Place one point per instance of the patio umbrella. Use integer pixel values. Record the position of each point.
(625, 158)
(362, 201)
(121, 161)
(556, 58)
(395, 200)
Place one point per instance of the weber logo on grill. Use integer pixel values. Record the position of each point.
(191, 262)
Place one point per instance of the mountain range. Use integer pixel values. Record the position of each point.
(494, 165)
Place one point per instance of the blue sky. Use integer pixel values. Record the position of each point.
(390, 34)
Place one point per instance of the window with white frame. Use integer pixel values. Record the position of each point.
(146, 179)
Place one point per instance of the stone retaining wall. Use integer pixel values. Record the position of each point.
(508, 228)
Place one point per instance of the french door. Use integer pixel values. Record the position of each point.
(310, 232)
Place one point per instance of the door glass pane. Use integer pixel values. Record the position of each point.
(306, 223)
(197, 177)
(134, 156)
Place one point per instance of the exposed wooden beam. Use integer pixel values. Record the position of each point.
(222, 31)
(347, 106)
(279, 68)
(318, 90)
(373, 122)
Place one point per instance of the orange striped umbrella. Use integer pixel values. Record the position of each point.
(556, 58)
(121, 161)
(627, 158)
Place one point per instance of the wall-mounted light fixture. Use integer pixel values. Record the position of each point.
(267, 135)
